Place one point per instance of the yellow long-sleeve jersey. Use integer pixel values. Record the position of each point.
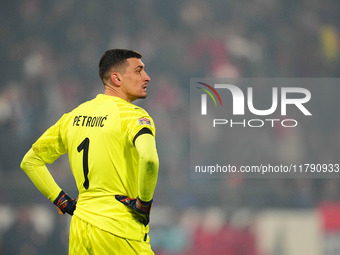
(99, 137)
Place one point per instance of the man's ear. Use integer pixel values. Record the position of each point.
(115, 78)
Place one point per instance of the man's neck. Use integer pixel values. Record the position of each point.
(115, 93)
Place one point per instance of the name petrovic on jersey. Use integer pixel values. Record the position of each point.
(89, 121)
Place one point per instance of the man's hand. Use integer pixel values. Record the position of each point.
(65, 203)
(141, 207)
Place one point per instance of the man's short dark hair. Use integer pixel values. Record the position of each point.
(115, 58)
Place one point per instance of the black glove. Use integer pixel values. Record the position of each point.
(142, 208)
(65, 203)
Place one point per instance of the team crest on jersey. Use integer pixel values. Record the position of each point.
(144, 121)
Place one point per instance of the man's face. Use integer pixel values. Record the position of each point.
(134, 80)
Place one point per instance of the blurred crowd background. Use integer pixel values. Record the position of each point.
(49, 64)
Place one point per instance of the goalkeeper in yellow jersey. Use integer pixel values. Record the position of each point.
(112, 152)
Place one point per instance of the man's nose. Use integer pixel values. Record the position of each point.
(147, 77)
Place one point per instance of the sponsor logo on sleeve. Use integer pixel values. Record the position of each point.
(144, 121)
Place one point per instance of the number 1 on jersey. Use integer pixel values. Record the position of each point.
(85, 146)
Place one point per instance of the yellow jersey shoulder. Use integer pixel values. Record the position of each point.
(133, 119)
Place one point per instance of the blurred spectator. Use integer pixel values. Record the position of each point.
(22, 238)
